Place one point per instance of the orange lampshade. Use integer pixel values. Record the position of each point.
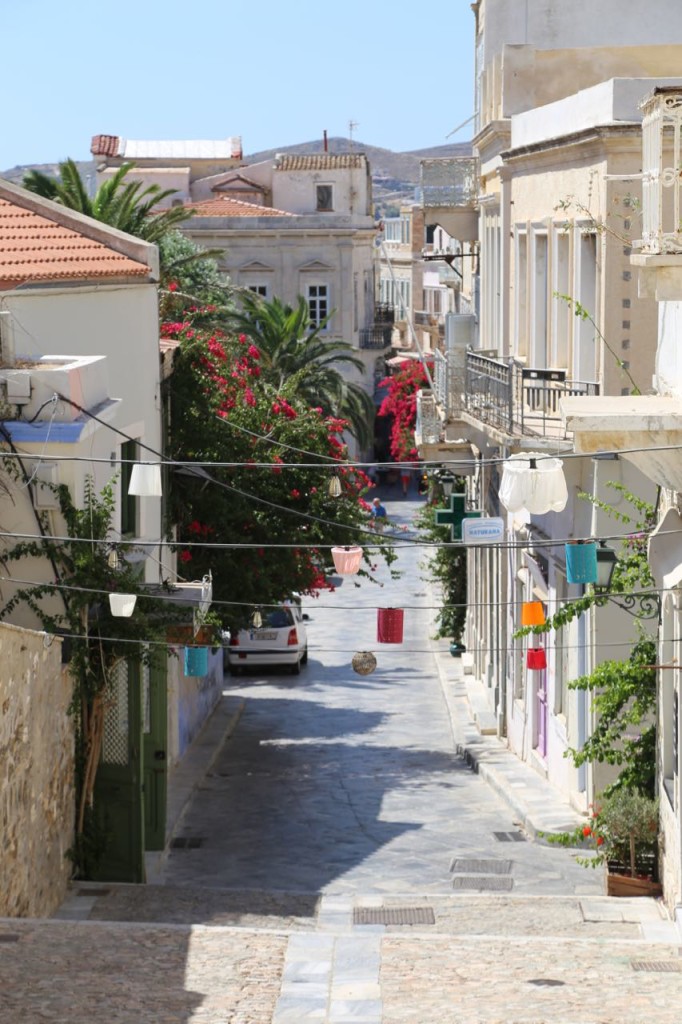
(532, 613)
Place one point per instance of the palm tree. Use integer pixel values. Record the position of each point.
(126, 205)
(294, 357)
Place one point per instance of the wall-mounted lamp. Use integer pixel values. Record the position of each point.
(641, 606)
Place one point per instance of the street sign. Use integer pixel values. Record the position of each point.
(483, 531)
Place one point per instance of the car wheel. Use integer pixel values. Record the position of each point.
(235, 670)
(296, 668)
(304, 659)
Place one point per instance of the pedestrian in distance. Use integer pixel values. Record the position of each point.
(379, 515)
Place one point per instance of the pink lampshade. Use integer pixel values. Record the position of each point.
(347, 560)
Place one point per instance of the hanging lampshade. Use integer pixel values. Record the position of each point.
(532, 613)
(534, 482)
(257, 619)
(122, 605)
(536, 658)
(334, 489)
(364, 663)
(581, 562)
(390, 625)
(145, 480)
(347, 560)
(196, 661)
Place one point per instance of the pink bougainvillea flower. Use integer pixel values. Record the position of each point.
(172, 286)
(295, 493)
(242, 339)
(185, 556)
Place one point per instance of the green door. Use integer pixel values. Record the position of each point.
(118, 789)
(155, 748)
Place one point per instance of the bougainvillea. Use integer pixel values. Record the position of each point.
(401, 404)
(269, 503)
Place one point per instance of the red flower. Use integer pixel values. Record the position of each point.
(172, 286)
(600, 840)
(185, 556)
(587, 831)
(253, 352)
(242, 339)
(295, 493)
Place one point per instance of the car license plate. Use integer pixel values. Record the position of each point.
(263, 636)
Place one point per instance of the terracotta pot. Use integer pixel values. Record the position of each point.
(624, 885)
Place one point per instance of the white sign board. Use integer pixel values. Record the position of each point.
(483, 531)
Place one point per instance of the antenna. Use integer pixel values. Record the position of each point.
(352, 125)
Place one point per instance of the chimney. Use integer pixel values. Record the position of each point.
(325, 145)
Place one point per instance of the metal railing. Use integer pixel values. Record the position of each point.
(384, 313)
(453, 181)
(518, 400)
(427, 428)
(379, 336)
(661, 180)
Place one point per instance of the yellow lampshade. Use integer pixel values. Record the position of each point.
(532, 614)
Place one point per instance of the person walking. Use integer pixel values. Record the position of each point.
(379, 515)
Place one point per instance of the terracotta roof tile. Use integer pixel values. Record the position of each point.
(319, 161)
(105, 145)
(227, 206)
(35, 248)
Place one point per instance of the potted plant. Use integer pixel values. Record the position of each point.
(623, 832)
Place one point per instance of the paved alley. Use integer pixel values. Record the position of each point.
(341, 862)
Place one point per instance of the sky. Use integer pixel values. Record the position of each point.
(274, 73)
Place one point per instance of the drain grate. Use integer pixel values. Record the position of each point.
(393, 915)
(510, 837)
(9, 937)
(546, 982)
(488, 883)
(657, 966)
(186, 843)
(93, 892)
(464, 866)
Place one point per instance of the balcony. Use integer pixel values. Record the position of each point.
(423, 319)
(518, 401)
(428, 427)
(449, 189)
(379, 336)
(661, 179)
(383, 313)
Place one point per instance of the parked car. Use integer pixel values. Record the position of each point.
(282, 639)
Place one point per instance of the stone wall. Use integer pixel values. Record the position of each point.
(37, 775)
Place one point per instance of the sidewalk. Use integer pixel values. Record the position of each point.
(537, 805)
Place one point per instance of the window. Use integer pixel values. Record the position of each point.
(324, 198)
(129, 502)
(259, 289)
(318, 303)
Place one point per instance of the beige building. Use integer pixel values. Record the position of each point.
(556, 210)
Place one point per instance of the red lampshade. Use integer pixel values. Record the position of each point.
(347, 560)
(390, 625)
(536, 658)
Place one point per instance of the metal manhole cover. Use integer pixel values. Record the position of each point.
(657, 966)
(546, 982)
(9, 937)
(464, 866)
(489, 883)
(393, 915)
(186, 843)
(510, 837)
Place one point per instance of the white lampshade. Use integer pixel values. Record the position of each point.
(534, 482)
(122, 605)
(145, 480)
(347, 560)
(334, 488)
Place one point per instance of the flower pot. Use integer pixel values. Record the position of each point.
(532, 614)
(581, 562)
(624, 885)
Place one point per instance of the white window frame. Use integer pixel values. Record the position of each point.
(318, 296)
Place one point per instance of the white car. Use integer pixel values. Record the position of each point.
(281, 640)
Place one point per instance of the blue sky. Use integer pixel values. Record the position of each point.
(272, 72)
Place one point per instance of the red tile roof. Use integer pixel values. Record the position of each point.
(227, 206)
(105, 145)
(35, 248)
(319, 161)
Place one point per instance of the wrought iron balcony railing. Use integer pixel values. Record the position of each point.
(518, 400)
(661, 179)
(378, 336)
